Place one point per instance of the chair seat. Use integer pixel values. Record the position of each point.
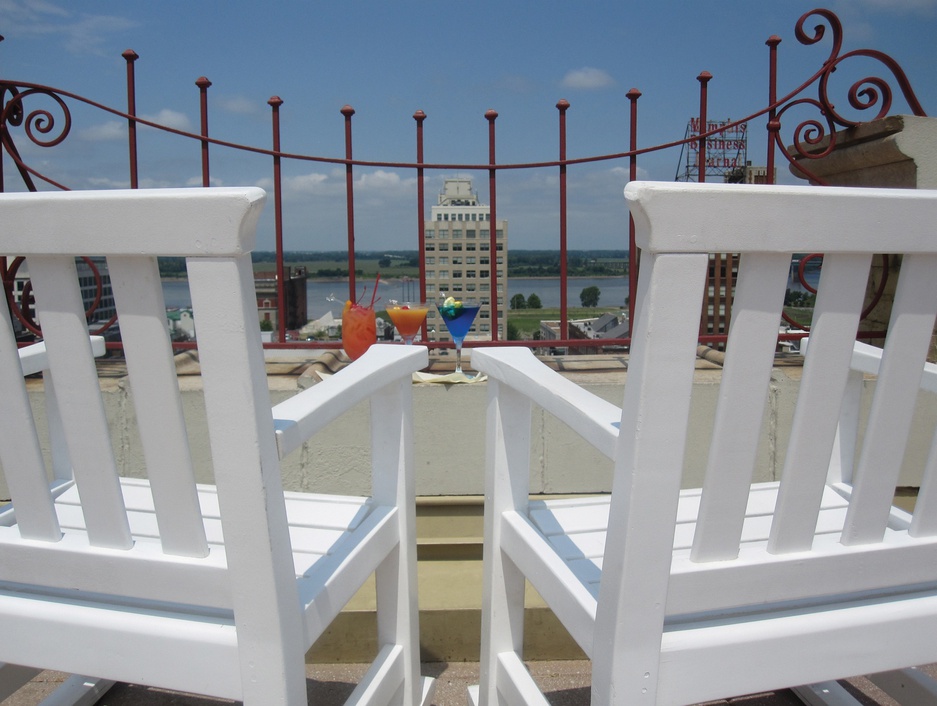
(318, 523)
(576, 527)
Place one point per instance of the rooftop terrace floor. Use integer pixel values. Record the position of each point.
(565, 683)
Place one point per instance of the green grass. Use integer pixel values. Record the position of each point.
(528, 320)
(801, 315)
(368, 267)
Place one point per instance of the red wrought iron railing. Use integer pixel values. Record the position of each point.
(871, 97)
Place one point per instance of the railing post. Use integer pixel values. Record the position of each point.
(348, 111)
(633, 257)
(703, 79)
(491, 116)
(563, 106)
(203, 84)
(419, 116)
(3, 259)
(275, 102)
(774, 125)
(131, 56)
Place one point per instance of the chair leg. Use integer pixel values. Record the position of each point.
(506, 488)
(395, 582)
(396, 577)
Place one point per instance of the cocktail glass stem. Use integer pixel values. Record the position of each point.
(458, 355)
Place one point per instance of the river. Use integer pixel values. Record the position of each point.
(613, 291)
(330, 295)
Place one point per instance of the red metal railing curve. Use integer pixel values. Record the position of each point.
(47, 126)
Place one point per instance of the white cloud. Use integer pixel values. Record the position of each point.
(924, 7)
(239, 105)
(171, 118)
(587, 78)
(197, 181)
(382, 181)
(624, 173)
(81, 33)
(105, 132)
(106, 183)
(313, 183)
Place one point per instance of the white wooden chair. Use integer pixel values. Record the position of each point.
(686, 596)
(220, 589)
(76, 690)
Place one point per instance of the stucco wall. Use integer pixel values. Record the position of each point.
(449, 437)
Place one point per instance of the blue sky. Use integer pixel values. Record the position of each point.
(454, 61)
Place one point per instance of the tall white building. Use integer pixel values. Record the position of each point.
(459, 260)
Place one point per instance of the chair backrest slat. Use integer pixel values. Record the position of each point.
(910, 328)
(58, 302)
(139, 298)
(924, 522)
(744, 389)
(826, 367)
(245, 458)
(21, 459)
(655, 415)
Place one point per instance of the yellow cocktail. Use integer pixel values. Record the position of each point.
(408, 317)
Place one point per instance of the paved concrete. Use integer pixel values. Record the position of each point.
(566, 683)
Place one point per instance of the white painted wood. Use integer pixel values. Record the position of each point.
(648, 471)
(826, 369)
(802, 581)
(846, 441)
(593, 418)
(507, 460)
(750, 355)
(58, 303)
(303, 415)
(392, 484)
(34, 359)
(213, 589)
(910, 328)
(573, 603)
(382, 681)
(924, 523)
(216, 222)
(23, 466)
(679, 217)
(139, 297)
(515, 683)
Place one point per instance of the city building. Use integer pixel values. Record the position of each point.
(460, 262)
(181, 324)
(294, 288)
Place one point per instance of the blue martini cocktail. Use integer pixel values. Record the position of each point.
(458, 317)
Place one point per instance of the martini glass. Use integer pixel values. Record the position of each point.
(408, 317)
(458, 317)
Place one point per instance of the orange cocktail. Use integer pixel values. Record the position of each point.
(359, 328)
(408, 318)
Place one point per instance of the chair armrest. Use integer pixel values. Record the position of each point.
(34, 359)
(301, 416)
(867, 359)
(594, 419)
